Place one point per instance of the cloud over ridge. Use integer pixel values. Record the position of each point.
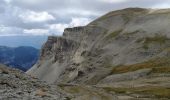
(50, 17)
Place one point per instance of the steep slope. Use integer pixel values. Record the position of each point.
(22, 57)
(123, 52)
(16, 85)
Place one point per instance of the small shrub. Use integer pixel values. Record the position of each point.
(156, 91)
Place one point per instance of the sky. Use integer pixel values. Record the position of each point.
(30, 22)
(50, 17)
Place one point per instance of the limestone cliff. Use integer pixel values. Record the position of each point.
(120, 50)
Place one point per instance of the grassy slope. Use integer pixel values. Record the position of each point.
(159, 65)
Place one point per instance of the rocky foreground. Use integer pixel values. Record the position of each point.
(16, 85)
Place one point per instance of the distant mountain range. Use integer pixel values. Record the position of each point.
(22, 57)
(16, 41)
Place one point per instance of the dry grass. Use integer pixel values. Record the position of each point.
(86, 91)
(131, 33)
(127, 14)
(113, 34)
(165, 69)
(41, 93)
(161, 65)
(159, 92)
(158, 39)
(167, 49)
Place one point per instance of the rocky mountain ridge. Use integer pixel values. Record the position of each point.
(124, 54)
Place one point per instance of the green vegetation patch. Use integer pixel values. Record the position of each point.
(157, 91)
(114, 34)
(131, 33)
(159, 65)
(164, 69)
(158, 38)
(73, 89)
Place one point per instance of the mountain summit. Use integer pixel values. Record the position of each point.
(124, 54)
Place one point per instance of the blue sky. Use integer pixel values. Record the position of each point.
(49, 17)
(16, 41)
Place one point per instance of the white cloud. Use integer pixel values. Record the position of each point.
(79, 22)
(9, 31)
(3, 28)
(31, 16)
(46, 17)
(36, 32)
(164, 5)
(58, 27)
(31, 2)
(8, 1)
(8, 34)
(14, 31)
(83, 12)
(114, 1)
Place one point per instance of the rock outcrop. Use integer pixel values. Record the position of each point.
(16, 85)
(124, 53)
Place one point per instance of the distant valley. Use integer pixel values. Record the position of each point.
(22, 57)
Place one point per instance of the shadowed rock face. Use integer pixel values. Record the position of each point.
(58, 45)
(119, 53)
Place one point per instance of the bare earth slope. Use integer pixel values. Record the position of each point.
(125, 54)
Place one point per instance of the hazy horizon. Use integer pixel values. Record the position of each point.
(16, 41)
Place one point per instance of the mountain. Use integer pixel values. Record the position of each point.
(123, 55)
(22, 57)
